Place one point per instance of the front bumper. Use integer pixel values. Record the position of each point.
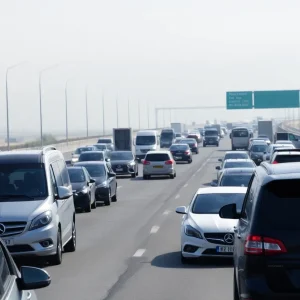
(128, 169)
(81, 200)
(102, 193)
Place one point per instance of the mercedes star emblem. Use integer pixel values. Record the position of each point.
(2, 229)
(228, 238)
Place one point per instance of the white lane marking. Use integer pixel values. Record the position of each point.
(204, 164)
(177, 196)
(119, 187)
(185, 185)
(139, 253)
(154, 229)
(166, 212)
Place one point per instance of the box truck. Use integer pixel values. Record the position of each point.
(122, 139)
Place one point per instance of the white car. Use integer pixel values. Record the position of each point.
(203, 232)
(284, 142)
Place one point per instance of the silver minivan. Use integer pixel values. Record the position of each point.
(159, 163)
(36, 203)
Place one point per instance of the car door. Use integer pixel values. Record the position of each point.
(91, 185)
(112, 180)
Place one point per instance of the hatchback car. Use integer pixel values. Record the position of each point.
(257, 151)
(105, 148)
(236, 177)
(192, 144)
(108, 141)
(267, 155)
(203, 232)
(282, 155)
(159, 163)
(284, 142)
(266, 243)
(181, 152)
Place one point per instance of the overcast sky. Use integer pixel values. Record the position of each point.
(161, 52)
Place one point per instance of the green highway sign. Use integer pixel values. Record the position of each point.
(239, 100)
(276, 99)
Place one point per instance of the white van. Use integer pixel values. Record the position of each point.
(240, 138)
(145, 141)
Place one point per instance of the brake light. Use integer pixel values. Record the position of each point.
(187, 152)
(258, 245)
(169, 162)
(274, 162)
(146, 162)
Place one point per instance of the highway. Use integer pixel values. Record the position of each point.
(131, 250)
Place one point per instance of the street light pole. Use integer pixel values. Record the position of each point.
(7, 103)
(86, 111)
(117, 110)
(66, 104)
(139, 114)
(148, 115)
(103, 114)
(128, 113)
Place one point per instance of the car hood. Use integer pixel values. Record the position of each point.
(212, 223)
(120, 162)
(78, 186)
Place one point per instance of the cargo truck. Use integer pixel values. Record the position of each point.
(122, 139)
(266, 128)
(178, 127)
(218, 127)
(285, 136)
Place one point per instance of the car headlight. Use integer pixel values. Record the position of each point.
(191, 231)
(103, 184)
(41, 220)
(131, 164)
(74, 159)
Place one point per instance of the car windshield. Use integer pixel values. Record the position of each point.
(189, 142)
(179, 147)
(23, 179)
(212, 203)
(283, 158)
(236, 156)
(76, 175)
(238, 164)
(91, 156)
(121, 156)
(211, 133)
(100, 147)
(235, 180)
(145, 140)
(240, 133)
(104, 141)
(167, 135)
(95, 170)
(259, 148)
(83, 149)
(157, 157)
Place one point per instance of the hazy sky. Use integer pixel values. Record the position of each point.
(163, 52)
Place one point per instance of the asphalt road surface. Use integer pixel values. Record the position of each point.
(131, 249)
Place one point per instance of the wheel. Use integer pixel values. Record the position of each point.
(172, 176)
(217, 145)
(94, 204)
(114, 198)
(235, 289)
(145, 177)
(197, 152)
(71, 245)
(89, 206)
(108, 200)
(56, 259)
(189, 161)
(133, 175)
(204, 145)
(175, 175)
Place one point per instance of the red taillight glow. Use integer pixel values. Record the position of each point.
(146, 162)
(187, 152)
(169, 162)
(274, 162)
(257, 245)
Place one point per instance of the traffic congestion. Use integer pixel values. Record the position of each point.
(54, 203)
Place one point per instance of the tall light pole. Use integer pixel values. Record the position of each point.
(117, 111)
(139, 114)
(103, 114)
(7, 103)
(66, 107)
(41, 102)
(128, 112)
(86, 111)
(148, 115)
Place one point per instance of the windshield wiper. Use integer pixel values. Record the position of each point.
(4, 196)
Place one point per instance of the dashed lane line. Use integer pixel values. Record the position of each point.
(139, 253)
(177, 196)
(154, 229)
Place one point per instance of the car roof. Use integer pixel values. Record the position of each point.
(284, 151)
(239, 152)
(238, 160)
(236, 171)
(159, 152)
(259, 142)
(146, 132)
(94, 151)
(82, 163)
(118, 151)
(179, 145)
(284, 142)
(222, 190)
(291, 169)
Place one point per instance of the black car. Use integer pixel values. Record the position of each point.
(124, 163)
(108, 142)
(94, 156)
(235, 177)
(181, 152)
(266, 243)
(192, 144)
(83, 188)
(211, 137)
(106, 182)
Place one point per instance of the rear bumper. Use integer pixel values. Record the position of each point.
(81, 200)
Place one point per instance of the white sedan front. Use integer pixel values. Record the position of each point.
(203, 232)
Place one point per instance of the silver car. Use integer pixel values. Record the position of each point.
(159, 163)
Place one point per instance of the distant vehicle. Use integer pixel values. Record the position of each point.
(282, 155)
(282, 142)
(178, 140)
(104, 148)
(285, 136)
(225, 130)
(178, 127)
(211, 137)
(192, 143)
(258, 141)
(201, 131)
(122, 139)
(167, 137)
(93, 156)
(222, 135)
(83, 188)
(265, 129)
(159, 163)
(108, 141)
(202, 232)
(181, 152)
(178, 135)
(235, 155)
(240, 137)
(195, 135)
(146, 140)
(272, 147)
(257, 151)
(236, 177)
(124, 163)
(78, 151)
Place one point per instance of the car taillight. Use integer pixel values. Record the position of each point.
(146, 162)
(274, 162)
(195, 145)
(169, 162)
(187, 152)
(258, 245)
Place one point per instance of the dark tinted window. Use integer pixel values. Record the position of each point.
(104, 141)
(179, 147)
(96, 170)
(121, 156)
(236, 156)
(211, 133)
(239, 164)
(240, 133)
(98, 156)
(167, 135)
(76, 175)
(259, 148)
(212, 203)
(101, 147)
(157, 157)
(287, 158)
(145, 140)
(235, 180)
(280, 204)
(84, 149)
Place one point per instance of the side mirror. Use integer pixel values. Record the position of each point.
(181, 210)
(229, 212)
(220, 159)
(107, 159)
(63, 193)
(110, 174)
(33, 278)
(92, 180)
(218, 168)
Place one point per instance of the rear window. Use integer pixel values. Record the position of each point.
(157, 157)
(287, 158)
(239, 164)
(179, 147)
(280, 204)
(91, 156)
(236, 156)
(240, 133)
(259, 148)
(104, 141)
(83, 149)
(211, 132)
(235, 180)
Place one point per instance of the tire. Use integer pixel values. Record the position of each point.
(145, 177)
(197, 152)
(217, 145)
(190, 161)
(94, 205)
(71, 245)
(133, 175)
(115, 197)
(89, 207)
(172, 176)
(108, 200)
(56, 259)
(235, 289)
(204, 145)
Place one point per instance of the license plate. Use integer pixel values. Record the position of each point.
(225, 249)
(178, 157)
(158, 167)
(119, 170)
(8, 242)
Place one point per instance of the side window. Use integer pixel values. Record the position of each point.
(57, 174)
(53, 181)
(87, 175)
(64, 173)
(247, 210)
(4, 274)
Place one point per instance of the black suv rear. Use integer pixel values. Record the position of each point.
(267, 243)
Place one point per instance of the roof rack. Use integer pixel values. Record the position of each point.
(286, 150)
(48, 148)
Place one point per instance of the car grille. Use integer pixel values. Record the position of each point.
(145, 150)
(20, 248)
(124, 167)
(11, 228)
(218, 238)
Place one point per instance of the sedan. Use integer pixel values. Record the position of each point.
(236, 177)
(235, 155)
(106, 183)
(257, 151)
(108, 142)
(78, 151)
(83, 188)
(192, 144)
(181, 152)
(94, 156)
(124, 163)
(104, 148)
(203, 232)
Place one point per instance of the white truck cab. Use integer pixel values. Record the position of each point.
(145, 141)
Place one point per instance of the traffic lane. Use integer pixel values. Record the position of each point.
(155, 270)
(108, 236)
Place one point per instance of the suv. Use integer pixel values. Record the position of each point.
(36, 203)
(108, 142)
(266, 248)
(282, 155)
